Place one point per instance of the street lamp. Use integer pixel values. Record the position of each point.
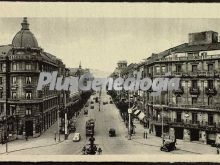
(129, 121)
(162, 126)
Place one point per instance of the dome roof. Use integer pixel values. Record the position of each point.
(24, 38)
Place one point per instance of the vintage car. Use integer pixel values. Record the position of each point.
(76, 137)
(169, 145)
(112, 132)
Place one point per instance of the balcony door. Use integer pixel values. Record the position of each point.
(210, 119)
(178, 116)
(210, 67)
(194, 118)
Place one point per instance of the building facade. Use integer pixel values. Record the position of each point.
(24, 111)
(191, 112)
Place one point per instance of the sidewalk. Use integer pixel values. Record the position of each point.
(46, 139)
(152, 140)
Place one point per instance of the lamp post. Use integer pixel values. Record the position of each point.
(162, 127)
(129, 121)
(58, 122)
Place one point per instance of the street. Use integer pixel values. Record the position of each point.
(108, 117)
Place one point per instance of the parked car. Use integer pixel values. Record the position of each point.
(76, 137)
(168, 146)
(112, 132)
(92, 107)
(92, 102)
(105, 102)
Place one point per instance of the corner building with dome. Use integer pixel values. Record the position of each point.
(24, 111)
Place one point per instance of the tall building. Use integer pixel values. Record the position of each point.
(24, 111)
(191, 112)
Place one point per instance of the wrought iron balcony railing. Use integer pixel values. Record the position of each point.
(194, 91)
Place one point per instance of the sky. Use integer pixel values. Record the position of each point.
(99, 43)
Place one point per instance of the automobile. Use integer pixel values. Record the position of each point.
(111, 102)
(92, 106)
(168, 146)
(112, 132)
(105, 102)
(76, 137)
(92, 102)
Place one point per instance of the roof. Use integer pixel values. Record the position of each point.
(24, 38)
(202, 47)
(4, 49)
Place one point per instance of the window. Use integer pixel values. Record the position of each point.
(28, 66)
(14, 66)
(28, 94)
(194, 84)
(157, 70)
(28, 80)
(178, 99)
(1, 108)
(178, 116)
(210, 100)
(14, 95)
(28, 111)
(1, 67)
(210, 119)
(194, 118)
(194, 68)
(12, 110)
(1, 94)
(210, 84)
(210, 67)
(178, 68)
(194, 100)
(1, 81)
(163, 69)
(14, 80)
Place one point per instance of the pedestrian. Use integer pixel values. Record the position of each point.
(55, 136)
(84, 150)
(217, 150)
(99, 150)
(146, 135)
(26, 137)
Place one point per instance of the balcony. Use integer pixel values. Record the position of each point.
(210, 91)
(179, 91)
(194, 91)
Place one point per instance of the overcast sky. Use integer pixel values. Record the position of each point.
(99, 43)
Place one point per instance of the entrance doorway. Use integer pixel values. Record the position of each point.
(194, 135)
(29, 127)
(178, 133)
